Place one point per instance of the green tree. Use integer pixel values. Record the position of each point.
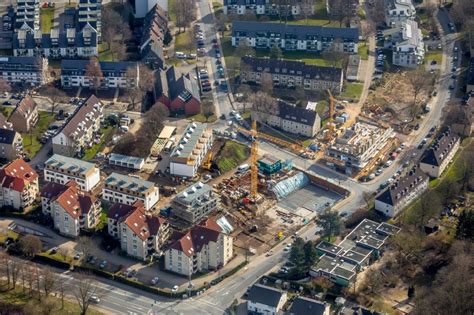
(310, 254)
(330, 223)
(465, 227)
(276, 53)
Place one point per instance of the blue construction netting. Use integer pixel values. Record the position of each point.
(289, 185)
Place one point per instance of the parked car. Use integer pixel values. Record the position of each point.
(175, 289)
(155, 280)
(103, 264)
(95, 299)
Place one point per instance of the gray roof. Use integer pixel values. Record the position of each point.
(68, 164)
(191, 135)
(131, 183)
(440, 148)
(7, 136)
(265, 295)
(392, 194)
(47, 42)
(194, 193)
(11, 63)
(305, 306)
(410, 34)
(296, 68)
(297, 114)
(329, 248)
(83, 118)
(244, 2)
(395, 4)
(302, 32)
(108, 68)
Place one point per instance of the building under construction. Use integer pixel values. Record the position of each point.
(360, 143)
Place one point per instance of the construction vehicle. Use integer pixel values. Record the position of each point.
(207, 164)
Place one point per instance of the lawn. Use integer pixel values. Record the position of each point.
(106, 134)
(6, 110)
(104, 53)
(171, 13)
(183, 42)
(216, 5)
(231, 155)
(31, 142)
(352, 90)
(363, 51)
(201, 118)
(13, 235)
(316, 21)
(434, 55)
(321, 108)
(47, 19)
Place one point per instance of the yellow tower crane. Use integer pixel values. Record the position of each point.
(254, 166)
(330, 124)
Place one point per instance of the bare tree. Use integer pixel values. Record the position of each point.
(4, 86)
(307, 8)
(221, 23)
(207, 109)
(377, 12)
(110, 19)
(430, 205)
(85, 245)
(418, 83)
(85, 288)
(63, 252)
(266, 83)
(118, 50)
(263, 105)
(15, 270)
(243, 49)
(94, 74)
(5, 267)
(55, 96)
(373, 281)
(30, 245)
(145, 84)
(185, 11)
(341, 10)
(49, 280)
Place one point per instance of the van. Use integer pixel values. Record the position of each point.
(124, 128)
(243, 168)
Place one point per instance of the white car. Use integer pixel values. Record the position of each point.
(175, 289)
(155, 280)
(94, 298)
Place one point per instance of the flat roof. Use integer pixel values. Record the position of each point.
(354, 256)
(184, 148)
(193, 193)
(388, 228)
(128, 182)
(344, 273)
(329, 247)
(126, 159)
(167, 132)
(69, 164)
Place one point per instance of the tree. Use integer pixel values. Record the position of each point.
(330, 223)
(146, 82)
(48, 280)
(307, 8)
(430, 205)
(63, 252)
(465, 226)
(185, 11)
(418, 83)
(373, 281)
(221, 23)
(263, 105)
(30, 245)
(266, 83)
(85, 288)
(110, 19)
(4, 86)
(310, 253)
(323, 283)
(85, 245)
(297, 257)
(276, 52)
(118, 50)
(244, 49)
(94, 74)
(341, 11)
(411, 292)
(55, 96)
(207, 109)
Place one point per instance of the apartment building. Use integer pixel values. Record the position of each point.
(62, 169)
(191, 150)
(291, 74)
(69, 43)
(140, 235)
(267, 7)
(408, 45)
(127, 190)
(71, 209)
(11, 145)
(19, 185)
(25, 115)
(140, 8)
(180, 93)
(302, 305)
(27, 15)
(194, 203)
(74, 74)
(290, 37)
(338, 9)
(290, 118)
(89, 13)
(24, 70)
(399, 11)
(155, 32)
(80, 130)
(364, 244)
(403, 191)
(360, 143)
(440, 154)
(266, 300)
(204, 247)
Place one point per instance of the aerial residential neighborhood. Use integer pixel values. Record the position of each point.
(263, 157)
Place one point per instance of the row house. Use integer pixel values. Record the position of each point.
(194, 203)
(191, 150)
(291, 74)
(402, 192)
(56, 44)
(114, 74)
(290, 118)
(71, 209)
(292, 9)
(291, 37)
(62, 169)
(24, 70)
(11, 144)
(141, 235)
(204, 247)
(155, 32)
(440, 154)
(80, 130)
(27, 15)
(127, 189)
(25, 115)
(399, 11)
(89, 13)
(180, 94)
(19, 185)
(408, 46)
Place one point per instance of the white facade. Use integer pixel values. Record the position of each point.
(435, 171)
(260, 308)
(399, 11)
(408, 47)
(29, 70)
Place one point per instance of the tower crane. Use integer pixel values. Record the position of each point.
(330, 124)
(254, 166)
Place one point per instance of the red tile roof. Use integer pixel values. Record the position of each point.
(144, 226)
(120, 210)
(75, 201)
(197, 237)
(16, 175)
(51, 190)
(25, 107)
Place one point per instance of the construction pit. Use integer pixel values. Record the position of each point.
(288, 199)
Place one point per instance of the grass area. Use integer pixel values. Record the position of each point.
(434, 55)
(18, 297)
(231, 155)
(104, 53)
(183, 42)
(352, 90)
(306, 57)
(6, 110)
(316, 22)
(246, 115)
(31, 142)
(201, 118)
(106, 133)
(363, 51)
(9, 233)
(171, 13)
(6, 52)
(216, 5)
(47, 19)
